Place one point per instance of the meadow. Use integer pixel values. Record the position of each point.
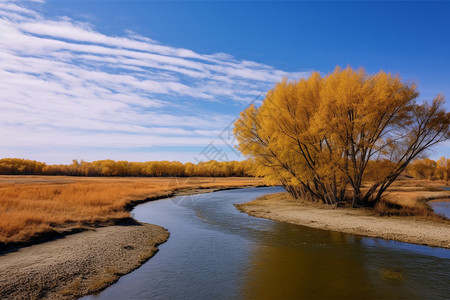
(33, 207)
(410, 197)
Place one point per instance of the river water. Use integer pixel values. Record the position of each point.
(217, 252)
(442, 208)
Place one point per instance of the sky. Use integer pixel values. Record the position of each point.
(151, 80)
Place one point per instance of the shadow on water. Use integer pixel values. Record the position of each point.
(314, 264)
(215, 251)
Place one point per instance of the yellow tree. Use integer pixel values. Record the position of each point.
(442, 168)
(423, 169)
(317, 136)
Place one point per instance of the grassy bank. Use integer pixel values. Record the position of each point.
(411, 197)
(35, 207)
(406, 216)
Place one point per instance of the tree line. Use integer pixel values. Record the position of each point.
(16, 166)
(325, 135)
(430, 169)
(420, 168)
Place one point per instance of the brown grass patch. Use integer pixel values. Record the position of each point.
(417, 207)
(384, 208)
(34, 206)
(410, 198)
(73, 288)
(106, 278)
(100, 282)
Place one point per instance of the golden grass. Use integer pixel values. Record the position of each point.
(72, 288)
(410, 197)
(104, 279)
(32, 206)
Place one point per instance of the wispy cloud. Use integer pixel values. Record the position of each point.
(64, 85)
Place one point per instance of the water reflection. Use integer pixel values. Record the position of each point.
(217, 252)
(335, 265)
(306, 263)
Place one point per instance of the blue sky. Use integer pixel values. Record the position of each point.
(148, 80)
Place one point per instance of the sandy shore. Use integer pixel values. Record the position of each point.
(359, 222)
(83, 263)
(78, 264)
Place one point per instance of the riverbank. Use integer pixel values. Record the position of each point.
(38, 208)
(79, 264)
(417, 230)
(74, 259)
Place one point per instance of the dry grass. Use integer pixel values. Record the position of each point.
(72, 288)
(384, 208)
(104, 279)
(410, 197)
(34, 206)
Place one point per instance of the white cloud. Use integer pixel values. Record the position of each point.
(65, 85)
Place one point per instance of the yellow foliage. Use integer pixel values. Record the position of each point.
(16, 166)
(430, 169)
(319, 135)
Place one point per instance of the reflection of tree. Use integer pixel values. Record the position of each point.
(310, 264)
(305, 263)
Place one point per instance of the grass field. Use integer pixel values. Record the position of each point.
(410, 198)
(32, 207)
(35, 206)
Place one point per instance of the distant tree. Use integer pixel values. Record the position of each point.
(320, 135)
(429, 169)
(108, 167)
(423, 169)
(18, 166)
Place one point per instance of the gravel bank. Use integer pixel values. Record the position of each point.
(79, 264)
(360, 222)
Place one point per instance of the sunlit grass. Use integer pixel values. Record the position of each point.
(410, 197)
(35, 205)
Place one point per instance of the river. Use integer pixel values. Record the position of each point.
(217, 252)
(442, 208)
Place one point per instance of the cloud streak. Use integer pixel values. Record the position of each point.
(65, 85)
